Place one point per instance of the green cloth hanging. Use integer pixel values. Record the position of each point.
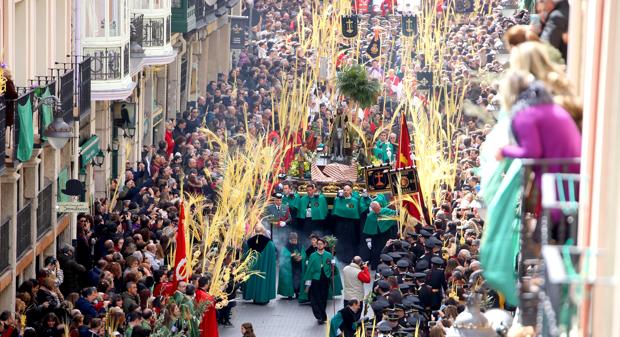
(46, 113)
(25, 142)
(262, 289)
(500, 240)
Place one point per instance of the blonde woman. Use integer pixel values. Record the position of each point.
(531, 57)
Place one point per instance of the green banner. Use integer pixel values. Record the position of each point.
(89, 150)
(47, 114)
(25, 142)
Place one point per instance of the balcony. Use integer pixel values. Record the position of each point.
(150, 32)
(44, 211)
(24, 227)
(105, 38)
(184, 15)
(549, 259)
(4, 244)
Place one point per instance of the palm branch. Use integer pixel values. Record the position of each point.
(353, 82)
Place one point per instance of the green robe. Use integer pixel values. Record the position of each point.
(334, 324)
(375, 224)
(335, 285)
(384, 151)
(317, 204)
(291, 202)
(365, 201)
(303, 296)
(500, 239)
(286, 287)
(347, 208)
(318, 263)
(262, 288)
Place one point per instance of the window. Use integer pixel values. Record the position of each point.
(94, 18)
(116, 15)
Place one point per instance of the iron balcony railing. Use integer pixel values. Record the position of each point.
(201, 14)
(24, 225)
(545, 223)
(137, 33)
(106, 63)
(4, 244)
(155, 32)
(44, 211)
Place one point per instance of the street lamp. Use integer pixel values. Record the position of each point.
(59, 132)
(130, 131)
(115, 145)
(82, 175)
(99, 158)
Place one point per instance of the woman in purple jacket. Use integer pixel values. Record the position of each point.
(541, 128)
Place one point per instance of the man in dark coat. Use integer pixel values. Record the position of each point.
(71, 269)
(437, 282)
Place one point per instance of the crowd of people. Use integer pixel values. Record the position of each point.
(117, 279)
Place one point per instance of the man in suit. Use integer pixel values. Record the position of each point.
(277, 214)
(556, 25)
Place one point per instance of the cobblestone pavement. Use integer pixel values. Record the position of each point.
(279, 318)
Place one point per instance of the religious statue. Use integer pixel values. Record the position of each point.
(339, 135)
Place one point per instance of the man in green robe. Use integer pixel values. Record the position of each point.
(378, 229)
(290, 198)
(346, 227)
(366, 199)
(312, 210)
(318, 275)
(261, 289)
(289, 277)
(305, 255)
(384, 150)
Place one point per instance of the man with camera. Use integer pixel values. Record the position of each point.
(354, 276)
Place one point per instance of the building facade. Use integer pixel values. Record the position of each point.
(119, 68)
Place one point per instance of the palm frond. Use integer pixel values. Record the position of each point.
(353, 82)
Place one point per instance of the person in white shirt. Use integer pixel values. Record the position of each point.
(354, 276)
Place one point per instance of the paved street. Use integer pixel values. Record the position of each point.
(279, 318)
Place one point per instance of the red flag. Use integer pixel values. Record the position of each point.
(404, 145)
(404, 160)
(181, 273)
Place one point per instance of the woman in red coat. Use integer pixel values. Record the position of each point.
(169, 138)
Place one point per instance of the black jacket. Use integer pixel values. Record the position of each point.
(348, 320)
(555, 26)
(72, 271)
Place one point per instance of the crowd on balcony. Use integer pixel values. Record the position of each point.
(117, 280)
